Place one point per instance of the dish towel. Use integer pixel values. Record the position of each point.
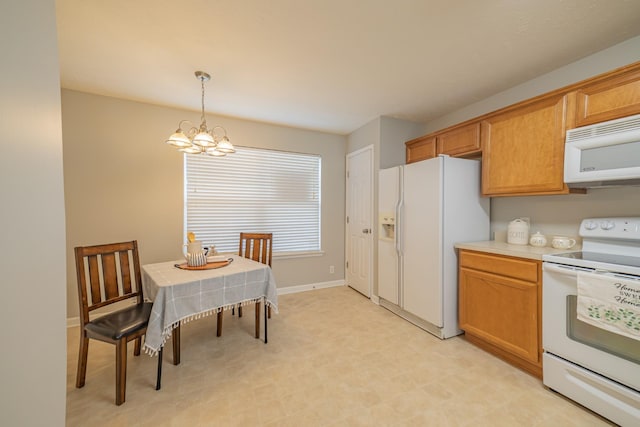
(610, 302)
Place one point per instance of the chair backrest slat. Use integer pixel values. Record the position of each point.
(125, 272)
(94, 277)
(110, 276)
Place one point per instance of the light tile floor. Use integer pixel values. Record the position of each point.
(333, 359)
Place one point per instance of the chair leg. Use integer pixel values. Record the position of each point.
(175, 337)
(269, 311)
(121, 371)
(137, 345)
(159, 374)
(82, 361)
(219, 324)
(258, 319)
(265, 320)
(239, 310)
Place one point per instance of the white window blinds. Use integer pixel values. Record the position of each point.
(254, 191)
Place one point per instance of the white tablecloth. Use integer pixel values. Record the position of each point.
(182, 295)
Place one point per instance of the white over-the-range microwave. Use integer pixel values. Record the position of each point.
(603, 155)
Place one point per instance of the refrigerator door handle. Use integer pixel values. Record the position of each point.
(400, 247)
(399, 226)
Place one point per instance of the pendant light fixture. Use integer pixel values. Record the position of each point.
(202, 140)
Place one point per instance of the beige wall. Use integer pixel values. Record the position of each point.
(553, 215)
(33, 368)
(122, 182)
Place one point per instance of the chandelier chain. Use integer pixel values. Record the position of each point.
(203, 121)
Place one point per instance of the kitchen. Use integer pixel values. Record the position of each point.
(554, 214)
(502, 283)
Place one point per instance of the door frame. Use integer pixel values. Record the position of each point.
(373, 217)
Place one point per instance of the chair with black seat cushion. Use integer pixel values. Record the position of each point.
(106, 275)
(258, 247)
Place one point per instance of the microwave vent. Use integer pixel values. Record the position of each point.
(627, 129)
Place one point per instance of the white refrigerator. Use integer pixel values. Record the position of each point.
(424, 209)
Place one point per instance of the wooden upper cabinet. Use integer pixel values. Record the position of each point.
(523, 148)
(462, 141)
(421, 149)
(608, 99)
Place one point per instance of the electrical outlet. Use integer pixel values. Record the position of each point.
(332, 269)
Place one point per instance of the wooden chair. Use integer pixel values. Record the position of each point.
(258, 247)
(109, 274)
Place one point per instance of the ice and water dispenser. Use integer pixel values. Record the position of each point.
(387, 225)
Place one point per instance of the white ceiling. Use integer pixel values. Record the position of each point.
(329, 65)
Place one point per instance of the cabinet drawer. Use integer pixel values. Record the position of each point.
(517, 268)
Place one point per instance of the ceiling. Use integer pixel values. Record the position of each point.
(330, 65)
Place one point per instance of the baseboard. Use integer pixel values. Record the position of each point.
(309, 287)
(75, 321)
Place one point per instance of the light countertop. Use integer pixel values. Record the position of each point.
(522, 251)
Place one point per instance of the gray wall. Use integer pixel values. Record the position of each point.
(34, 362)
(556, 214)
(122, 182)
(393, 134)
(387, 135)
(619, 55)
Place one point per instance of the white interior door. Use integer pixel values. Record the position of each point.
(359, 204)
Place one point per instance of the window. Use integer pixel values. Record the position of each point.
(256, 191)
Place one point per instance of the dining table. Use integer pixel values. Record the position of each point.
(181, 294)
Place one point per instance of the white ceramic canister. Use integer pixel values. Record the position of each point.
(518, 232)
(538, 239)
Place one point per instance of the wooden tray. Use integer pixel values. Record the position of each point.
(208, 266)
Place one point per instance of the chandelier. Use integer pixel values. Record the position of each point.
(202, 140)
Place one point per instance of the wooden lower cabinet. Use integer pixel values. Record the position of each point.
(500, 307)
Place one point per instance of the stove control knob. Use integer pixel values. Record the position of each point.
(607, 225)
(590, 225)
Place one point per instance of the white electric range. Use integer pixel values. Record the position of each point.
(595, 367)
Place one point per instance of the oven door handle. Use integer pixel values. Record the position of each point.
(565, 270)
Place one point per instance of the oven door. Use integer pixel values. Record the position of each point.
(612, 355)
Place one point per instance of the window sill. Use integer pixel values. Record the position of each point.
(288, 255)
(285, 255)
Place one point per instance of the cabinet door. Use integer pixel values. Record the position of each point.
(610, 99)
(463, 141)
(523, 150)
(501, 311)
(421, 149)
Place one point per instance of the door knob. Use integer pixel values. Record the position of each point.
(366, 230)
